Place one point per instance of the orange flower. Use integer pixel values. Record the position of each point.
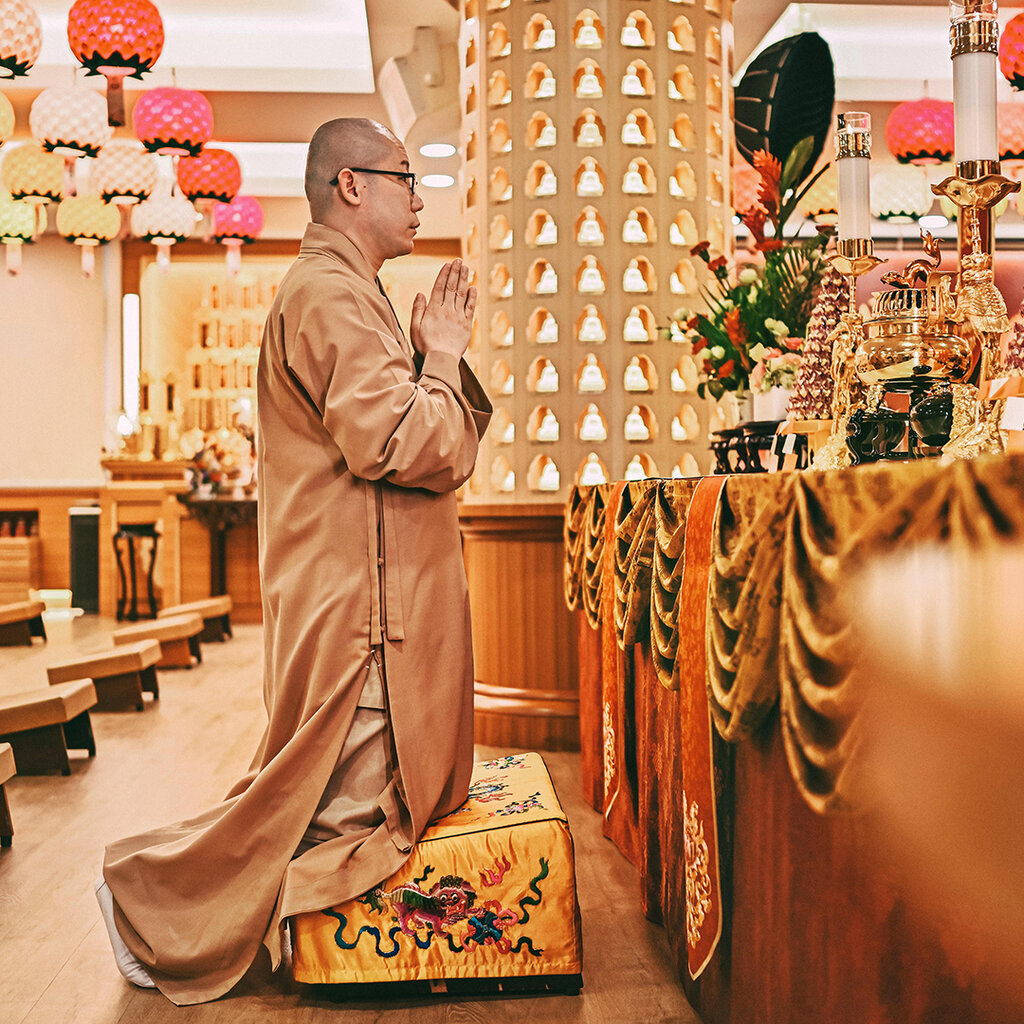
(771, 174)
(726, 368)
(734, 327)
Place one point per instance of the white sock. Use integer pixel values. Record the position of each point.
(127, 964)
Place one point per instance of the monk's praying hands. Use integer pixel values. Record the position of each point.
(444, 322)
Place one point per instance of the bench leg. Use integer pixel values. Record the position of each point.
(214, 630)
(149, 681)
(175, 654)
(6, 825)
(36, 627)
(38, 751)
(15, 634)
(195, 649)
(117, 692)
(78, 734)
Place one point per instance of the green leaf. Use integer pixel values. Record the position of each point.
(793, 171)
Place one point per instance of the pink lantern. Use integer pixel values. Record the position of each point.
(1011, 52)
(236, 224)
(213, 176)
(21, 36)
(178, 122)
(72, 123)
(164, 220)
(1011, 132)
(921, 132)
(116, 39)
(88, 222)
(6, 119)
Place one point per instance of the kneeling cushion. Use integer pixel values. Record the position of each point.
(489, 892)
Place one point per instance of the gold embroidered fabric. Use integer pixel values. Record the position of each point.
(785, 548)
(584, 549)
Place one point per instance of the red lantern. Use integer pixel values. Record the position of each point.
(921, 132)
(1011, 52)
(236, 224)
(172, 121)
(213, 176)
(117, 39)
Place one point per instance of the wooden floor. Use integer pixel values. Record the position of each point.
(180, 755)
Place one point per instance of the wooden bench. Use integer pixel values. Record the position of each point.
(41, 725)
(215, 612)
(178, 636)
(21, 621)
(7, 771)
(120, 676)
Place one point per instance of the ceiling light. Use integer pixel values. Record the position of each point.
(437, 180)
(933, 220)
(437, 149)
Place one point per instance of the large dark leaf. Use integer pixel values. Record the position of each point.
(785, 96)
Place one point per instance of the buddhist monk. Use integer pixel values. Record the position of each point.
(363, 440)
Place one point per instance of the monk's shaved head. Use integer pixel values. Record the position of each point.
(343, 142)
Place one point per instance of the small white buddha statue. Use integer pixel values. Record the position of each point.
(503, 338)
(634, 379)
(682, 135)
(501, 141)
(548, 136)
(633, 329)
(590, 232)
(549, 479)
(683, 230)
(546, 86)
(546, 37)
(686, 371)
(548, 184)
(590, 180)
(591, 280)
(592, 428)
(548, 332)
(681, 86)
(548, 234)
(591, 329)
(682, 280)
(631, 84)
(507, 289)
(591, 377)
(501, 99)
(547, 381)
(633, 278)
(636, 429)
(681, 37)
(548, 429)
(635, 470)
(503, 195)
(679, 431)
(685, 467)
(592, 473)
(683, 184)
(589, 86)
(547, 283)
(587, 37)
(633, 181)
(632, 230)
(508, 435)
(500, 240)
(508, 484)
(590, 131)
(631, 35)
(632, 134)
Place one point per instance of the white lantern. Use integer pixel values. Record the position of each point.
(900, 194)
(164, 220)
(124, 173)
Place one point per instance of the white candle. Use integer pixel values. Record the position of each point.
(853, 164)
(974, 107)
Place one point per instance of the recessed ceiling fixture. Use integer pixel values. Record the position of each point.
(437, 180)
(437, 149)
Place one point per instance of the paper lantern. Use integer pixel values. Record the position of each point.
(821, 202)
(1011, 132)
(213, 176)
(1011, 52)
(921, 132)
(164, 220)
(88, 222)
(117, 39)
(34, 176)
(235, 224)
(72, 123)
(900, 194)
(124, 173)
(176, 122)
(21, 36)
(6, 119)
(17, 226)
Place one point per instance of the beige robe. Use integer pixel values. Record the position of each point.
(360, 454)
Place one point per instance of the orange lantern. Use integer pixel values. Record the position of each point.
(212, 177)
(21, 36)
(88, 222)
(117, 39)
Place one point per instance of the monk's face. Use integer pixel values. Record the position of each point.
(392, 211)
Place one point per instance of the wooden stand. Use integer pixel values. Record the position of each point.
(526, 677)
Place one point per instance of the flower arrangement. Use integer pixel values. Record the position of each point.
(757, 311)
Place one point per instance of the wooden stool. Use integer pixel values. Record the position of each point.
(42, 724)
(120, 676)
(178, 636)
(20, 622)
(7, 771)
(216, 614)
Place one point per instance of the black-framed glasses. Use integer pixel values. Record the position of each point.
(407, 176)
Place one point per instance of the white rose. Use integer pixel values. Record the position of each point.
(716, 352)
(748, 275)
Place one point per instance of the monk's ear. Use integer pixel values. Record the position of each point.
(348, 189)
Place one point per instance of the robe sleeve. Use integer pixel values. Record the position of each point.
(388, 423)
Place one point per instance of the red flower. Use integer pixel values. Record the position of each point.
(726, 368)
(734, 328)
(717, 264)
(693, 323)
(770, 245)
(771, 174)
(708, 366)
(699, 344)
(700, 249)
